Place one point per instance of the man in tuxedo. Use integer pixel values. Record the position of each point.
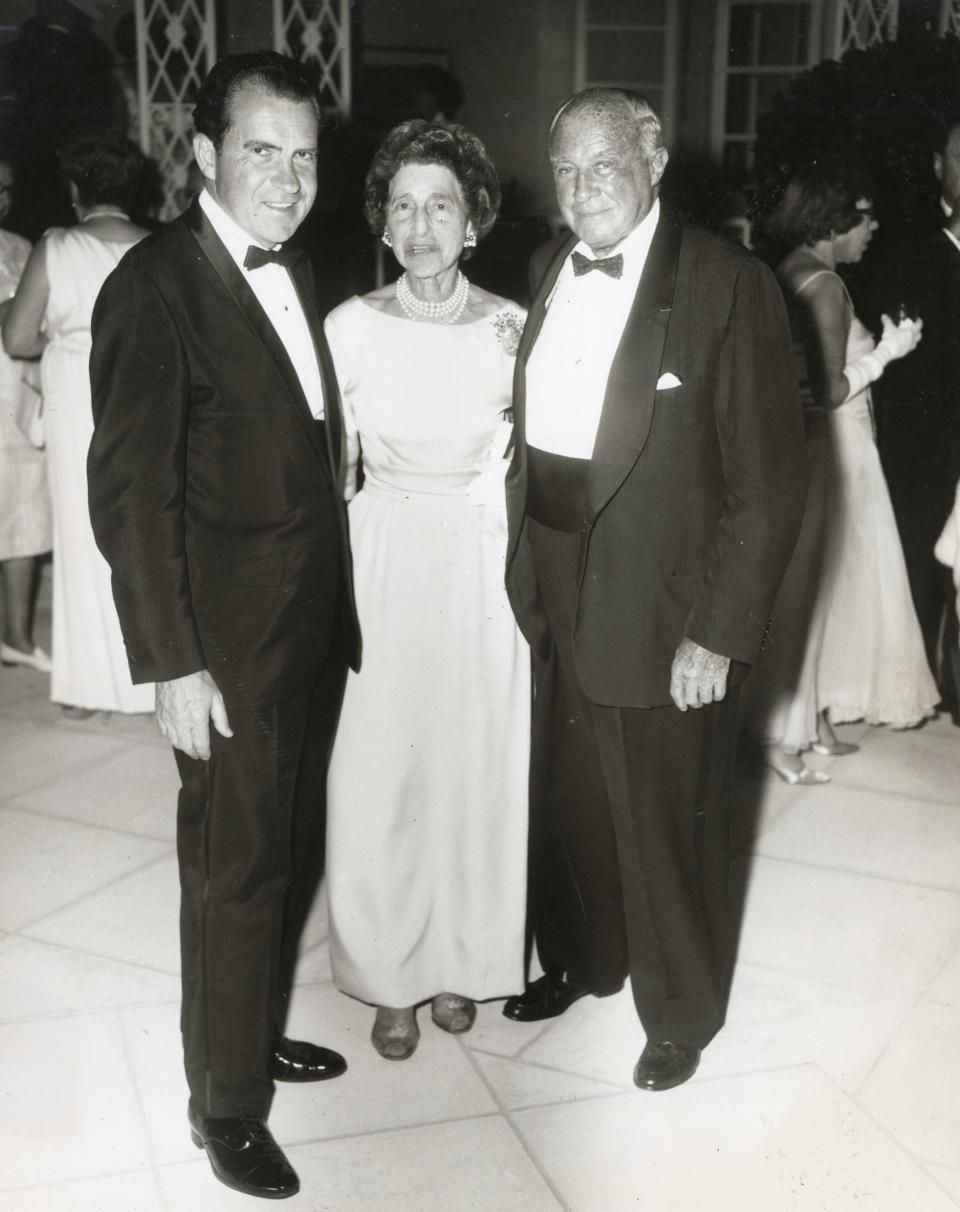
(919, 430)
(213, 491)
(653, 501)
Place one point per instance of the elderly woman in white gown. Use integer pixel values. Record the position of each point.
(426, 849)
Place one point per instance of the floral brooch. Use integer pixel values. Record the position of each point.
(508, 325)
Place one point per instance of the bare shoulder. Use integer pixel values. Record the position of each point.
(483, 303)
(802, 271)
(382, 294)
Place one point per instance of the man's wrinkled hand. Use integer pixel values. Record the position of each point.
(185, 707)
(697, 676)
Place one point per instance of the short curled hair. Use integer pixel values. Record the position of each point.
(420, 142)
(105, 168)
(820, 202)
(268, 70)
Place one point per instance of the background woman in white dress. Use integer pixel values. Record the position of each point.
(50, 316)
(427, 804)
(24, 500)
(845, 641)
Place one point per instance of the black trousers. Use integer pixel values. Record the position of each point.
(250, 841)
(630, 851)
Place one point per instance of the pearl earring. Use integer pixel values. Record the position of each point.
(386, 239)
(471, 240)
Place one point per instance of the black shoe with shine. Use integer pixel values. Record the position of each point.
(665, 1065)
(294, 1060)
(546, 997)
(244, 1155)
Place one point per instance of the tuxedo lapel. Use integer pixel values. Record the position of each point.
(628, 403)
(302, 275)
(237, 286)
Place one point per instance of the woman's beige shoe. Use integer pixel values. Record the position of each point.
(36, 659)
(395, 1034)
(453, 1013)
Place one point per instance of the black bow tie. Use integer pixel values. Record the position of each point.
(611, 266)
(286, 255)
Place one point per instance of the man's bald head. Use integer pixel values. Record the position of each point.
(627, 116)
(607, 159)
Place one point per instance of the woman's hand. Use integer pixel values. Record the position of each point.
(898, 339)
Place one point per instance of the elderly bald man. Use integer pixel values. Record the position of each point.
(654, 500)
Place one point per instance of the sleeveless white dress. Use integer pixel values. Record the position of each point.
(844, 636)
(427, 801)
(24, 498)
(89, 660)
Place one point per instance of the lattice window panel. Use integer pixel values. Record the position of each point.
(317, 32)
(177, 47)
(861, 23)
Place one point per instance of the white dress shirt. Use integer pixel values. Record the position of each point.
(570, 362)
(278, 297)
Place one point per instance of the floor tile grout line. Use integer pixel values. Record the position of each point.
(141, 1110)
(540, 1065)
(100, 955)
(88, 1012)
(506, 1114)
(120, 744)
(535, 1039)
(922, 998)
(869, 875)
(925, 1166)
(810, 974)
(75, 1179)
(289, 1143)
(155, 861)
(537, 1164)
(43, 814)
(941, 801)
(919, 1163)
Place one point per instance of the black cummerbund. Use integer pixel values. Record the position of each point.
(556, 489)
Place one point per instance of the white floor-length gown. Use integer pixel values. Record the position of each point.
(24, 497)
(844, 637)
(427, 805)
(89, 660)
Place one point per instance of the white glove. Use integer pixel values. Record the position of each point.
(896, 341)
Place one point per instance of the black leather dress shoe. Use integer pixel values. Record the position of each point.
(294, 1060)
(244, 1155)
(665, 1065)
(544, 998)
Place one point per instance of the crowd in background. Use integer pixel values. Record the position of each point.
(64, 93)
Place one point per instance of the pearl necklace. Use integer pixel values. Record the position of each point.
(105, 212)
(449, 309)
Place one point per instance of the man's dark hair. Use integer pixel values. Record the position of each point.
(275, 73)
(820, 202)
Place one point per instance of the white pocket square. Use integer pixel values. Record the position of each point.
(667, 380)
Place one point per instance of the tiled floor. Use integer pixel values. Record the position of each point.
(833, 1087)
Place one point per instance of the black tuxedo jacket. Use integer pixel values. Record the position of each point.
(919, 396)
(214, 494)
(695, 493)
